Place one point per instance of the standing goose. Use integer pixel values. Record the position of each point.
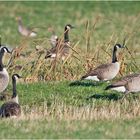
(127, 84)
(107, 71)
(11, 108)
(24, 30)
(4, 76)
(61, 49)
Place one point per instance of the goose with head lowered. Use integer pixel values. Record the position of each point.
(24, 30)
(128, 84)
(54, 38)
(105, 72)
(62, 48)
(12, 107)
(4, 76)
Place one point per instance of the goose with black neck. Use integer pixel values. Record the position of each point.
(12, 107)
(62, 48)
(105, 72)
(4, 76)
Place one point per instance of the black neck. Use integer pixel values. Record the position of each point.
(1, 64)
(114, 57)
(14, 88)
(66, 35)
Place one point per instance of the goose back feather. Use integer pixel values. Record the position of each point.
(129, 83)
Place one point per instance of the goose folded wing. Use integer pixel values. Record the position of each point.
(100, 69)
(124, 80)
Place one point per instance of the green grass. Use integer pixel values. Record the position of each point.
(64, 110)
(70, 129)
(62, 106)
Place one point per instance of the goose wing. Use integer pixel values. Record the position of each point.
(123, 81)
(50, 52)
(58, 48)
(10, 109)
(4, 80)
(54, 40)
(100, 69)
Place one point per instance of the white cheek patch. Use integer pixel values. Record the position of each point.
(56, 37)
(5, 50)
(53, 55)
(94, 78)
(16, 78)
(68, 27)
(33, 34)
(119, 89)
(117, 47)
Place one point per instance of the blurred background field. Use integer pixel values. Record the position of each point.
(52, 106)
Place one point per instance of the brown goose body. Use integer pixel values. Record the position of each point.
(105, 72)
(129, 83)
(4, 76)
(60, 51)
(24, 30)
(4, 80)
(12, 107)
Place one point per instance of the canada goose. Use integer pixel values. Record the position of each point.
(61, 49)
(54, 38)
(4, 76)
(107, 71)
(24, 30)
(127, 84)
(11, 108)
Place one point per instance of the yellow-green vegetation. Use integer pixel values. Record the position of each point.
(55, 104)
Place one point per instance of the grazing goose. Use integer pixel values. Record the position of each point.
(61, 49)
(127, 84)
(24, 30)
(107, 71)
(4, 76)
(11, 108)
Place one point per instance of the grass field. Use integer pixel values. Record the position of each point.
(55, 104)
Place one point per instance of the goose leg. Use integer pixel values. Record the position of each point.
(125, 94)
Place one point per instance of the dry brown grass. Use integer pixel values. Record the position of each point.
(60, 111)
(34, 67)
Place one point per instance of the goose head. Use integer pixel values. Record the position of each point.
(118, 46)
(5, 50)
(68, 27)
(15, 77)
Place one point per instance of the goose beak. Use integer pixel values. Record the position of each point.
(20, 77)
(73, 27)
(123, 46)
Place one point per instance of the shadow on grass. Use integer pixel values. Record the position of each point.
(86, 84)
(114, 97)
